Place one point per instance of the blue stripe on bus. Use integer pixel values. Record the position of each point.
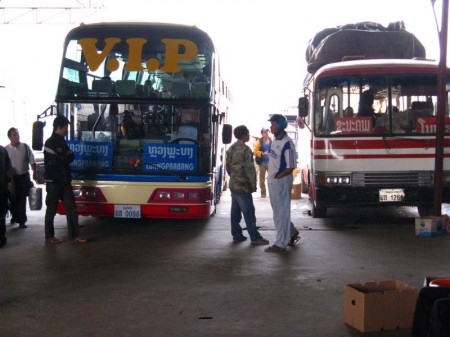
(141, 178)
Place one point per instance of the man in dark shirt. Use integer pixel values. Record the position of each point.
(57, 159)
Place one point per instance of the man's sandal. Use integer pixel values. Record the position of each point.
(274, 249)
(294, 239)
(80, 240)
(54, 241)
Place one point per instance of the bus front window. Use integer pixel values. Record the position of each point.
(407, 105)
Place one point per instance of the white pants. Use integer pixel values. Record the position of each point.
(280, 200)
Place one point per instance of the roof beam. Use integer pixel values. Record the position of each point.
(50, 14)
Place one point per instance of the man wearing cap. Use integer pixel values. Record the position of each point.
(57, 159)
(261, 151)
(283, 161)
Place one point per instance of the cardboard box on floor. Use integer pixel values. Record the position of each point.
(296, 192)
(375, 306)
(431, 226)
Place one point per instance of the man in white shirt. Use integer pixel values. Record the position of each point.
(283, 160)
(21, 158)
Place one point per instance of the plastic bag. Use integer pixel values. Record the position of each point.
(35, 198)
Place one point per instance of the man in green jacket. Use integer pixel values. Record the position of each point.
(241, 168)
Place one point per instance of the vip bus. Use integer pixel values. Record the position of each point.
(148, 108)
(384, 152)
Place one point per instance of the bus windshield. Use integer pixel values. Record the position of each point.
(378, 105)
(142, 138)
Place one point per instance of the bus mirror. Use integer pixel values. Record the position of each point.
(303, 107)
(227, 133)
(38, 136)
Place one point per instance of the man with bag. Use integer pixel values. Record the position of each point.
(261, 150)
(21, 158)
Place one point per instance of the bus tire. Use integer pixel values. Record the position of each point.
(425, 210)
(319, 211)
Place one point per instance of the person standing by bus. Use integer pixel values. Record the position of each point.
(57, 159)
(261, 151)
(241, 168)
(282, 162)
(5, 171)
(21, 158)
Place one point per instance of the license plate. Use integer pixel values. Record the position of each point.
(392, 195)
(127, 211)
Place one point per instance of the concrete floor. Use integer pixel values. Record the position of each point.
(186, 278)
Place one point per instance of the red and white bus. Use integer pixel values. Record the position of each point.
(148, 108)
(382, 153)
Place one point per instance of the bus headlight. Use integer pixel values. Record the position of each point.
(178, 195)
(88, 193)
(164, 195)
(446, 179)
(337, 180)
(333, 180)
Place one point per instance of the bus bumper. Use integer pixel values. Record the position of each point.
(187, 211)
(365, 196)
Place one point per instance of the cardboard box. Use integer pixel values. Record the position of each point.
(296, 192)
(376, 306)
(431, 226)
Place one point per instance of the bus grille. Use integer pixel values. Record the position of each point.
(392, 178)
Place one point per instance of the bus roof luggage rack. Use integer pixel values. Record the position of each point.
(368, 39)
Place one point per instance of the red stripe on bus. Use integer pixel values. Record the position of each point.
(376, 143)
(377, 156)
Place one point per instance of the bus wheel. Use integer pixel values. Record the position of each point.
(425, 210)
(319, 211)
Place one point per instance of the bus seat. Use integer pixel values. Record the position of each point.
(200, 89)
(180, 89)
(126, 87)
(142, 90)
(187, 131)
(422, 109)
(102, 86)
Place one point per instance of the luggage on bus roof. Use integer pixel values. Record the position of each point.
(368, 40)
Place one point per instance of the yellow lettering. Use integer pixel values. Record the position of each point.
(135, 54)
(152, 64)
(93, 58)
(173, 55)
